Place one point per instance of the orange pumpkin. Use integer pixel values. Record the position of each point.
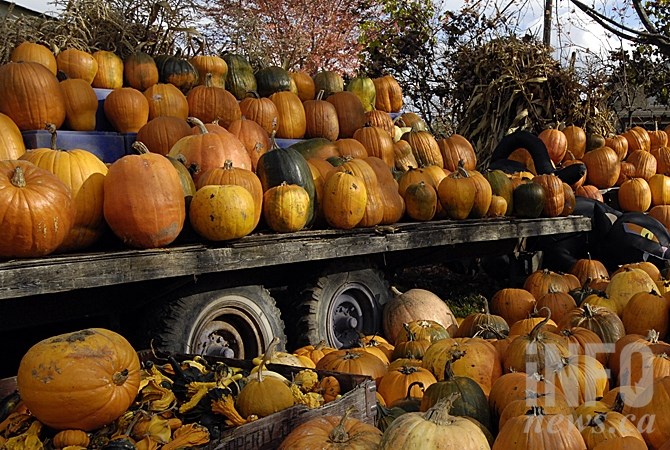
(140, 71)
(11, 139)
(576, 140)
(602, 167)
(350, 112)
(30, 95)
(321, 117)
(556, 142)
(353, 361)
(166, 99)
(332, 432)
(81, 380)
(222, 212)
(211, 64)
(211, 103)
(261, 110)
(161, 133)
(389, 94)
(304, 84)
(81, 104)
(110, 70)
(456, 148)
(127, 109)
(83, 173)
(144, 201)
(207, 150)
(291, 120)
(638, 139)
(34, 52)
(31, 226)
(644, 162)
(77, 63)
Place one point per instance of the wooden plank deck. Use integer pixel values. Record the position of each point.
(61, 273)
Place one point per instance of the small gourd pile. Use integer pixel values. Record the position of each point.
(89, 388)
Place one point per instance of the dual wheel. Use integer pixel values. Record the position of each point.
(240, 322)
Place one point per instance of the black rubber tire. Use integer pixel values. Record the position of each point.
(337, 306)
(238, 322)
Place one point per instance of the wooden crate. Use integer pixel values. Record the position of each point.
(268, 432)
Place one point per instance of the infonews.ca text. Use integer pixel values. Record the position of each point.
(633, 374)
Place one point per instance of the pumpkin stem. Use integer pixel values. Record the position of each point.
(267, 356)
(535, 411)
(408, 370)
(395, 291)
(652, 336)
(120, 377)
(598, 419)
(537, 328)
(411, 336)
(448, 370)
(618, 403)
(487, 328)
(51, 128)
(228, 164)
(319, 96)
(439, 413)
(19, 178)
(408, 396)
(339, 433)
(208, 79)
(589, 311)
(140, 147)
(485, 303)
(198, 123)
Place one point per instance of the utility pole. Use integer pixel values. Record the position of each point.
(546, 37)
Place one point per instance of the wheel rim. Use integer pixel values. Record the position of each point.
(351, 311)
(231, 327)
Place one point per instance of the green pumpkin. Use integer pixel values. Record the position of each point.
(240, 79)
(364, 88)
(472, 401)
(287, 165)
(502, 186)
(272, 79)
(529, 200)
(177, 71)
(329, 82)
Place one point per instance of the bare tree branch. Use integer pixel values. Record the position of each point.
(650, 37)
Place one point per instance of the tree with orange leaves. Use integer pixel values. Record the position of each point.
(294, 34)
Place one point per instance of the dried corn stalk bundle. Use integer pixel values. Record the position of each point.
(510, 83)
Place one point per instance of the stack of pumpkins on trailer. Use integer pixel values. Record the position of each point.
(567, 361)
(207, 155)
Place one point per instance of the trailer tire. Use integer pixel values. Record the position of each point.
(339, 306)
(238, 322)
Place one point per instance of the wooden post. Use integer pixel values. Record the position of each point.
(546, 37)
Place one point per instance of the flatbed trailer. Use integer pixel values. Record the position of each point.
(211, 298)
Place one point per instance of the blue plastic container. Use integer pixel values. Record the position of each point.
(107, 146)
(101, 122)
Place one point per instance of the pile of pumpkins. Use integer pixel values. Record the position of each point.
(636, 161)
(207, 158)
(567, 361)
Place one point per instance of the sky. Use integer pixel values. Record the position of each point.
(576, 30)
